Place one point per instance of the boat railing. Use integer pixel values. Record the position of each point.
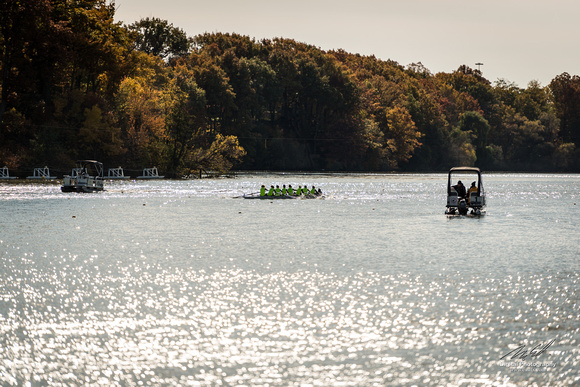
(116, 173)
(78, 172)
(476, 200)
(150, 173)
(41, 173)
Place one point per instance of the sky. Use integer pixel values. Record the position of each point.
(516, 40)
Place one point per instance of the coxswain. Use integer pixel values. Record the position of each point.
(319, 192)
(290, 190)
(263, 190)
(271, 191)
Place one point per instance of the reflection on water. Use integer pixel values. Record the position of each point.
(176, 283)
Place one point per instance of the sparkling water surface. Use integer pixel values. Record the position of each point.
(183, 283)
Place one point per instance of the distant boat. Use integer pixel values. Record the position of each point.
(87, 177)
(41, 173)
(268, 197)
(150, 173)
(461, 199)
(5, 175)
(116, 174)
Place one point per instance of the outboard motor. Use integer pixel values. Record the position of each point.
(462, 207)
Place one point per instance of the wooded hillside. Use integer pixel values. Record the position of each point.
(77, 85)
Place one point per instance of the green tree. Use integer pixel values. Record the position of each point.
(186, 121)
(159, 37)
(566, 94)
(474, 123)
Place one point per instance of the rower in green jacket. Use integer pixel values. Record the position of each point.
(263, 190)
(305, 190)
(299, 190)
(284, 190)
(290, 190)
(271, 191)
(313, 191)
(277, 191)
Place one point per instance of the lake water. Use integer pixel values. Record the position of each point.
(172, 283)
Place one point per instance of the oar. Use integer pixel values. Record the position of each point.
(237, 197)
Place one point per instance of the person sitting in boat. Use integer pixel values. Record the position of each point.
(305, 190)
(290, 190)
(460, 188)
(299, 190)
(313, 191)
(473, 188)
(263, 190)
(284, 190)
(319, 192)
(277, 191)
(271, 191)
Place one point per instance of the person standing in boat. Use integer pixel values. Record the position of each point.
(473, 188)
(460, 188)
(263, 190)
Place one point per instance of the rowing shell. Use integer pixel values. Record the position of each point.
(275, 197)
(257, 196)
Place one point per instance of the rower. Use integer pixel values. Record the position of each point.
(263, 190)
(299, 190)
(284, 191)
(271, 191)
(277, 191)
(305, 190)
(313, 191)
(290, 190)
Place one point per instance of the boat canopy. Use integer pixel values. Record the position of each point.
(98, 166)
(465, 170)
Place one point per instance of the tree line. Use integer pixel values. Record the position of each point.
(75, 84)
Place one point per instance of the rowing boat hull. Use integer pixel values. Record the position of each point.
(266, 197)
(249, 196)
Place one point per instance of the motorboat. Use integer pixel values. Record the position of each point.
(462, 200)
(87, 177)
